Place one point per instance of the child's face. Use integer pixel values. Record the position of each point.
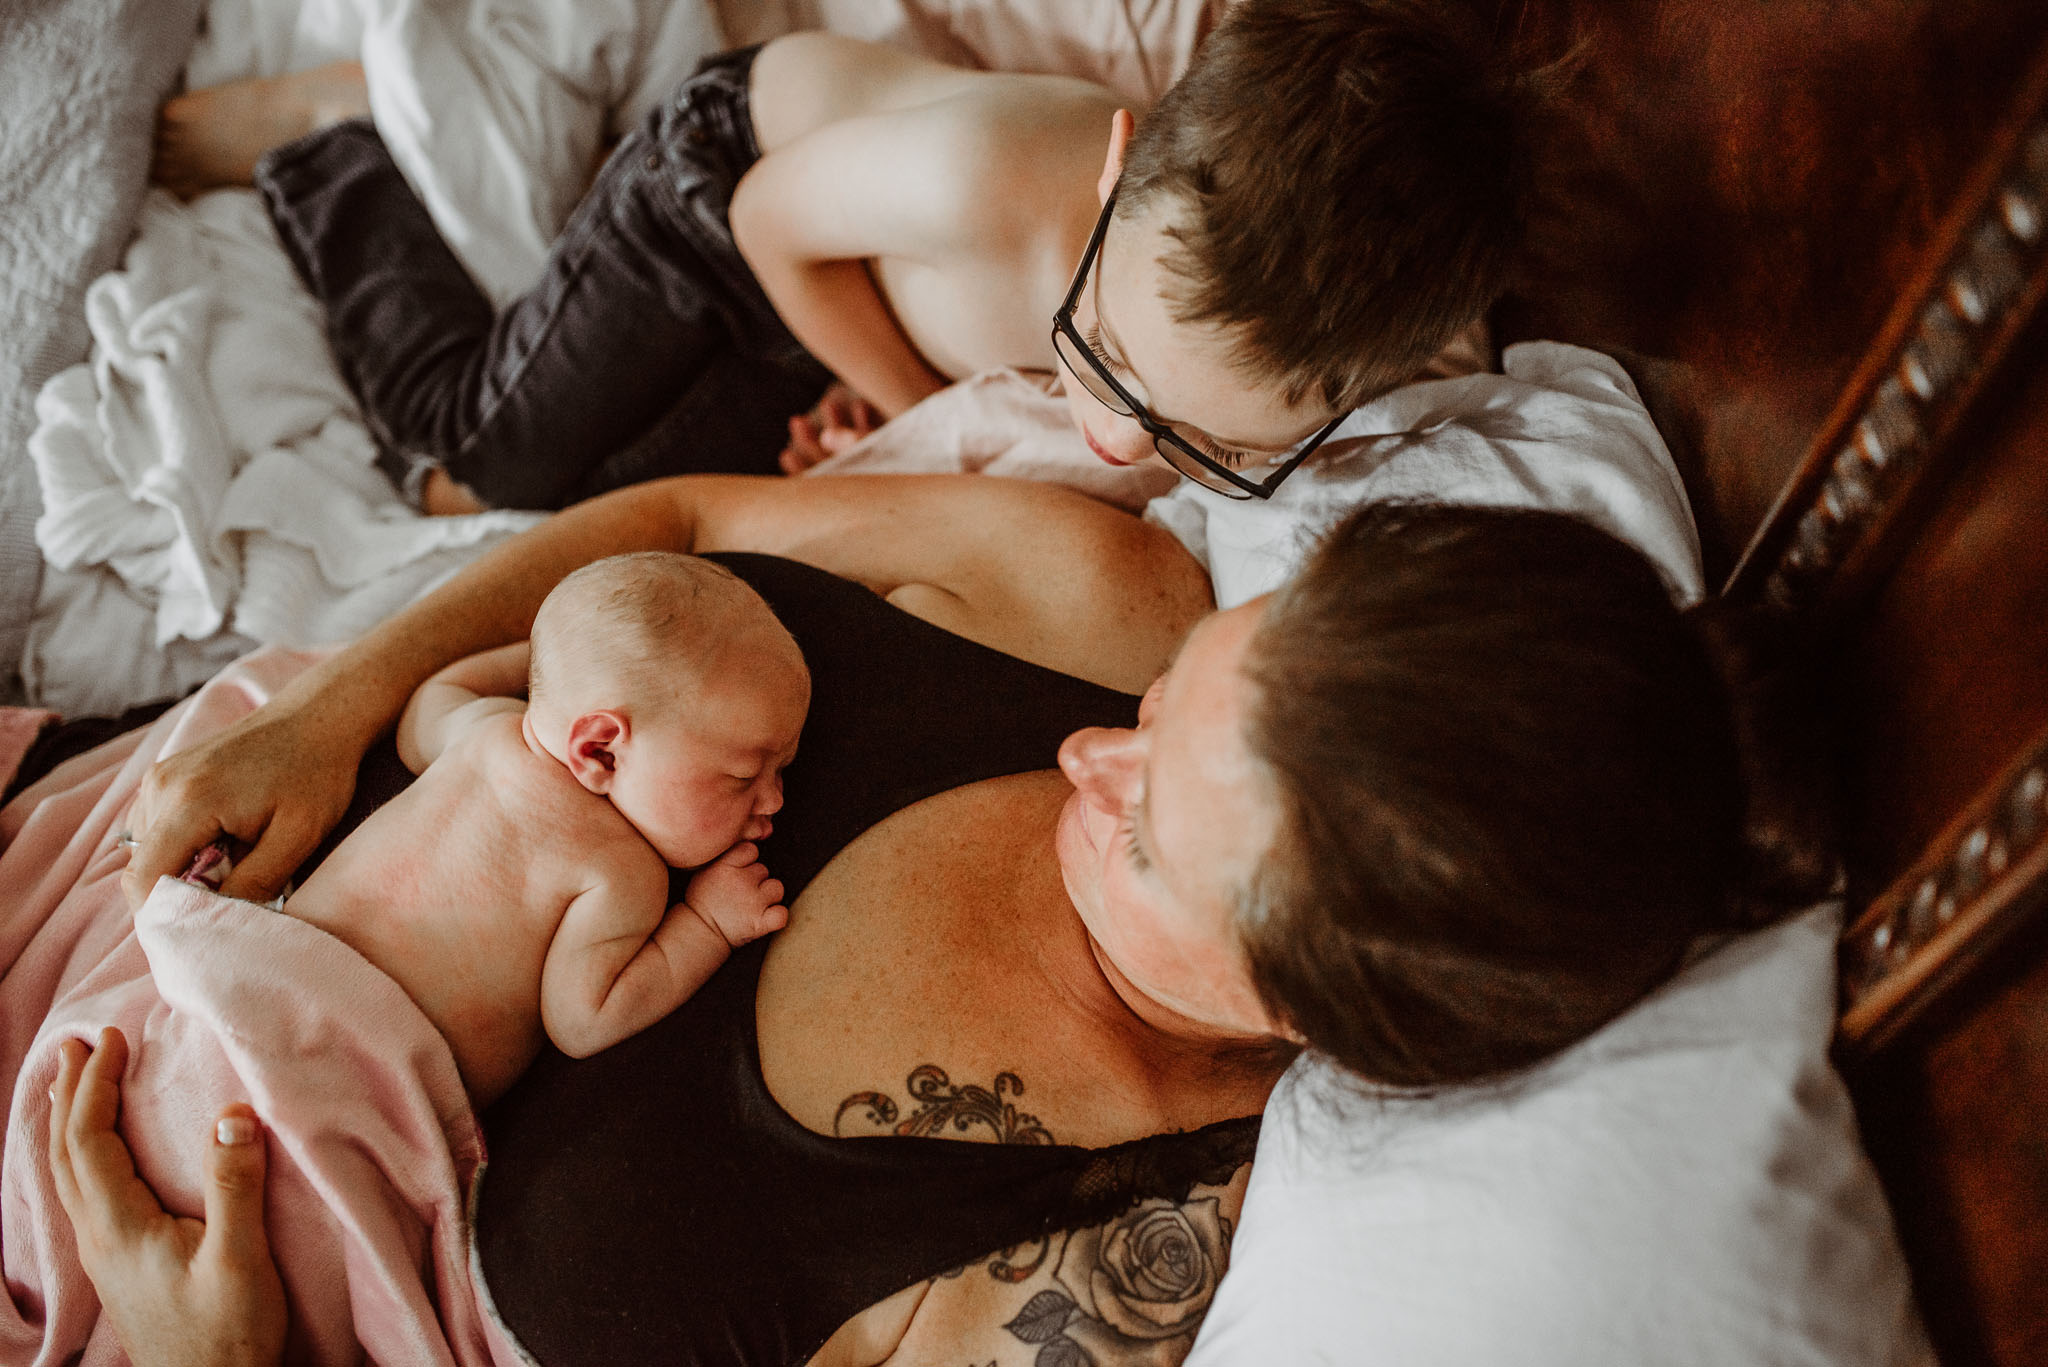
(695, 785)
(1186, 374)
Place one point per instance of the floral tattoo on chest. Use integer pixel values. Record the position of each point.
(941, 1106)
(1132, 1290)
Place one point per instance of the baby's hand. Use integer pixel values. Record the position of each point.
(840, 420)
(736, 895)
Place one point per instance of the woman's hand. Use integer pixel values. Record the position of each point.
(179, 1291)
(270, 784)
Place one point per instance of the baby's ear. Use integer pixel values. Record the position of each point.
(593, 750)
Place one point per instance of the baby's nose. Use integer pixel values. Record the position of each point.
(768, 797)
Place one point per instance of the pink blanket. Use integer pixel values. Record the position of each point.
(19, 727)
(372, 1142)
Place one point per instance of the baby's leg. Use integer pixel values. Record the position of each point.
(209, 138)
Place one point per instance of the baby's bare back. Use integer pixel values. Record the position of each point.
(457, 886)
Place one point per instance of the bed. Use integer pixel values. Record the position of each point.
(1818, 237)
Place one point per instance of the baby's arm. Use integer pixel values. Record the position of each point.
(473, 687)
(618, 964)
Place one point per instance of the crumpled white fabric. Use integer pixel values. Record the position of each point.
(496, 110)
(211, 460)
(205, 476)
(1004, 422)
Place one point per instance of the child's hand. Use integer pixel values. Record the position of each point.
(737, 897)
(841, 418)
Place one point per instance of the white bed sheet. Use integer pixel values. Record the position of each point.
(206, 480)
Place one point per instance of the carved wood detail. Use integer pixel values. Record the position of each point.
(1970, 886)
(1946, 337)
(1886, 436)
(1885, 449)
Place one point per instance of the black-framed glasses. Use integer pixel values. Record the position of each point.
(1178, 451)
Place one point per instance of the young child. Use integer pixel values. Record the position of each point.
(520, 884)
(1326, 197)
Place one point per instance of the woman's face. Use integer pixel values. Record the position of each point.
(1166, 822)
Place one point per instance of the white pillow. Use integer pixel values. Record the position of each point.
(1561, 429)
(1685, 1187)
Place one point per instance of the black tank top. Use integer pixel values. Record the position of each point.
(654, 1204)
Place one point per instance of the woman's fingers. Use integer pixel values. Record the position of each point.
(166, 846)
(93, 1170)
(235, 1166)
(70, 1058)
(265, 868)
(165, 1309)
(271, 783)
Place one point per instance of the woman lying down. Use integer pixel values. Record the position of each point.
(1452, 799)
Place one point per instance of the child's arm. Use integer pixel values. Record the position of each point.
(809, 215)
(618, 964)
(441, 707)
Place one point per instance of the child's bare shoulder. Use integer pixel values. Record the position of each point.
(807, 81)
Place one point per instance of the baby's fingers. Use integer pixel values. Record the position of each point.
(741, 855)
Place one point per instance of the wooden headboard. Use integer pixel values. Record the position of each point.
(1817, 233)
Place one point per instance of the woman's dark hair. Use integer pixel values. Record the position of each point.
(1507, 785)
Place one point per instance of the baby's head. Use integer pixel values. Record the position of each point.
(1327, 197)
(665, 683)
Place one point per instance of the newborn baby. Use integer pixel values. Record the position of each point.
(521, 883)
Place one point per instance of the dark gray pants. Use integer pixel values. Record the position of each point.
(647, 349)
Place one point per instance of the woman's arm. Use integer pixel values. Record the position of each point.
(1033, 569)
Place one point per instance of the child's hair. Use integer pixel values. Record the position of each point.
(642, 621)
(1344, 183)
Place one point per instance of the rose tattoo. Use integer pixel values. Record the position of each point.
(1131, 1291)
